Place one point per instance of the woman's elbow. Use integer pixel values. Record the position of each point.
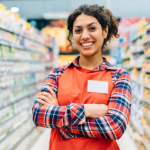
(118, 136)
(118, 132)
(35, 114)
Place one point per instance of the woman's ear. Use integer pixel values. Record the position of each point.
(105, 32)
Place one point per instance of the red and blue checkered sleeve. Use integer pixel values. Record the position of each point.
(114, 123)
(56, 116)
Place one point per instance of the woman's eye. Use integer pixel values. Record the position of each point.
(78, 31)
(92, 28)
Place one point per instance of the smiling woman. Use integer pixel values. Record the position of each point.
(87, 102)
(88, 37)
(103, 16)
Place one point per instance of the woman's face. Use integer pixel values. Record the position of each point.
(88, 35)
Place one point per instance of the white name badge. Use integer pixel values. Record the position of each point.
(97, 86)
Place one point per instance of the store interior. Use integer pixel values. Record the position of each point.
(33, 41)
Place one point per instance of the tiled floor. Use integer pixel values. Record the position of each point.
(125, 143)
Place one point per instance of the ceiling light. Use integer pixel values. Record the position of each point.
(14, 9)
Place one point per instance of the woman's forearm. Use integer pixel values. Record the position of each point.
(95, 110)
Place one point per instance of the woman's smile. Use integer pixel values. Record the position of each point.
(87, 45)
(88, 35)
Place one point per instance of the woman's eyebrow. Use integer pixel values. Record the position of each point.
(87, 25)
(91, 23)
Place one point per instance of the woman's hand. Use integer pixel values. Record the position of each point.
(91, 110)
(95, 110)
(45, 98)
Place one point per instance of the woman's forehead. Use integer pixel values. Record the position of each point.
(83, 19)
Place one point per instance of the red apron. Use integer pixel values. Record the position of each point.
(72, 88)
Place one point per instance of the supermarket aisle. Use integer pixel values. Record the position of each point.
(43, 141)
(125, 143)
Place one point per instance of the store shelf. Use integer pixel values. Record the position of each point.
(22, 60)
(139, 58)
(139, 81)
(22, 84)
(16, 86)
(129, 130)
(146, 100)
(146, 70)
(146, 145)
(137, 129)
(124, 48)
(146, 41)
(23, 35)
(136, 37)
(12, 116)
(32, 52)
(137, 51)
(20, 98)
(12, 101)
(137, 66)
(21, 139)
(15, 128)
(139, 98)
(39, 89)
(146, 115)
(127, 67)
(132, 66)
(126, 57)
(133, 108)
(146, 129)
(20, 47)
(146, 85)
(42, 79)
(146, 55)
(20, 73)
(50, 65)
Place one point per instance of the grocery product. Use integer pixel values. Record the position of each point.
(23, 53)
(137, 61)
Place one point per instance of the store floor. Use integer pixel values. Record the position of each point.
(125, 143)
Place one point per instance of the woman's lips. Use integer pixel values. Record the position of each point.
(87, 45)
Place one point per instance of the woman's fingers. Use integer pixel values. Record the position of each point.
(43, 97)
(50, 98)
(51, 91)
(46, 94)
(42, 102)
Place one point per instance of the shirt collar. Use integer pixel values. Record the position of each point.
(104, 65)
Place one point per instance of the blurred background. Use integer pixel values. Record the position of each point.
(33, 39)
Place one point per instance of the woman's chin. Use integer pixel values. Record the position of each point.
(87, 54)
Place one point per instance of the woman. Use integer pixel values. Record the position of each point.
(87, 102)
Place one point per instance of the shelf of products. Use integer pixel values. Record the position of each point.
(135, 136)
(5, 43)
(24, 54)
(12, 32)
(16, 143)
(136, 59)
(12, 26)
(25, 141)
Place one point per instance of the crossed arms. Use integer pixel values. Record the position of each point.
(73, 119)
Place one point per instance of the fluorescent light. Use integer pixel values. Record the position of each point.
(56, 15)
(14, 9)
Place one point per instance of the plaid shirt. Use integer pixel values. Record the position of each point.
(71, 119)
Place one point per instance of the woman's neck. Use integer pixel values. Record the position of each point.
(90, 62)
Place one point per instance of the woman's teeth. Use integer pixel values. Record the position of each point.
(87, 44)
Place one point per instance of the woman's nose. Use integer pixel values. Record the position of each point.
(85, 35)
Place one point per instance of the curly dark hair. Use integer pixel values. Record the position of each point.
(103, 15)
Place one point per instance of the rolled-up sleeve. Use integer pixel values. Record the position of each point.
(113, 125)
(56, 116)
